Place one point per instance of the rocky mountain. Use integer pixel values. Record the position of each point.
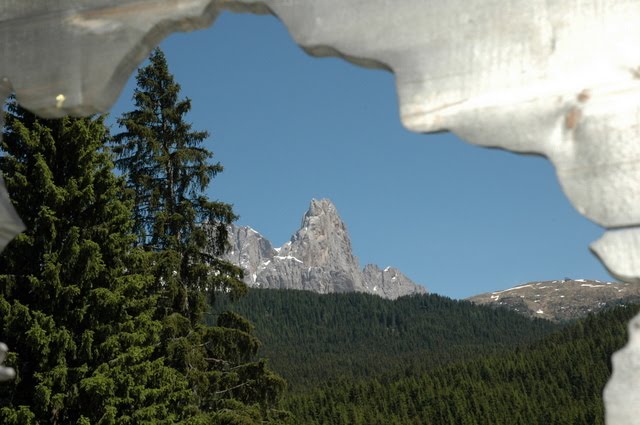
(318, 258)
(388, 282)
(561, 300)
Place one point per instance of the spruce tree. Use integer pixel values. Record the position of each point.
(74, 304)
(168, 168)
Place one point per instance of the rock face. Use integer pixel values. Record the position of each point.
(249, 250)
(561, 300)
(388, 283)
(318, 258)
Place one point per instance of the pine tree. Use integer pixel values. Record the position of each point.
(168, 169)
(73, 292)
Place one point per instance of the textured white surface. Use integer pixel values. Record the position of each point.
(6, 373)
(559, 79)
(622, 393)
(10, 223)
(81, 53)
(620, 251)
(10, 226)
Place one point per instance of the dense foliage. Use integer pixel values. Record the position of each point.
(73, 305)
(558, 380)
(312, 338)
(102, 303)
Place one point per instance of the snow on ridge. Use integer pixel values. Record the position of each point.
(277, 249)
(386, 269)
(539, 312)
(512, 289)
(288, 257)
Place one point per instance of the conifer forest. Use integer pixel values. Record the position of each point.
(118, 309)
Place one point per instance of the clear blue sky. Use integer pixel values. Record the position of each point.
(287, 127)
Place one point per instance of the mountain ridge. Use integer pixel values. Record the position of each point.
(561, 300)
(318, 257)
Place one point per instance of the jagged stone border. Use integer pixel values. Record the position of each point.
(565, 95)
(540, 81)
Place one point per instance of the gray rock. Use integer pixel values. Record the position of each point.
(318, 258)
(390, 282)
(249, 249)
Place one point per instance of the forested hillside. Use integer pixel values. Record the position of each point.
(558, 380)
(311, 339)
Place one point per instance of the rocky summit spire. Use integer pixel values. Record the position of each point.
(322, 240)
(318, 258)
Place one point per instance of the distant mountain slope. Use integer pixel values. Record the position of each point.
(561, 300)
(557, 380)
(318, 258)
(311, 338)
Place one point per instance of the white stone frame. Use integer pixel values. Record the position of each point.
(558, 79)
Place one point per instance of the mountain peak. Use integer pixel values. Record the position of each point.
(318, 257)
(320, 207)
(322, 239)
(322, 216)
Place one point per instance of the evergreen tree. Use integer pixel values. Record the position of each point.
(168, 169)
(72, 290)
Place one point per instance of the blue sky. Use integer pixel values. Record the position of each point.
(287, 127)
